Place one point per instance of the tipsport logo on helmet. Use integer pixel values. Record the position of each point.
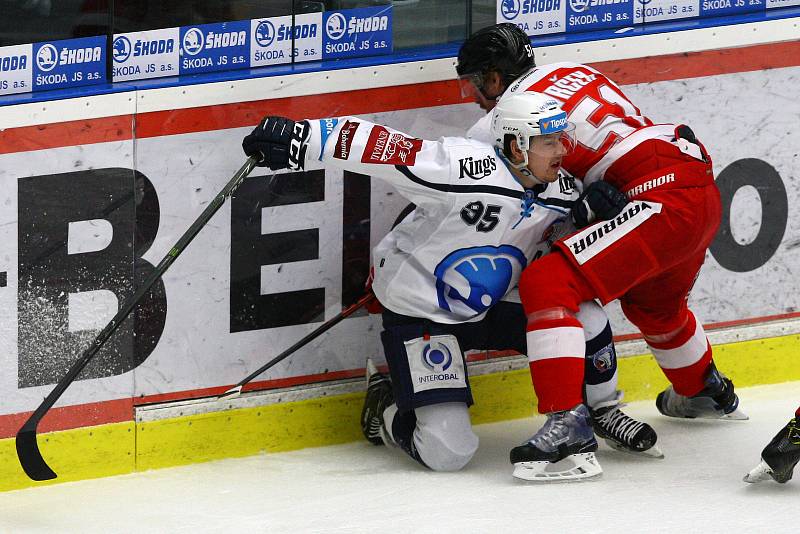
(598, 14)
(553, 124)
(534, 17)
(149, 54)
(272, 39)
(470, 281)
(69, 63)
(363, 31)
(213, 47)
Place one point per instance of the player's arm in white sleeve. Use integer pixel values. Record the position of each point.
(482, 130)
(420, 170)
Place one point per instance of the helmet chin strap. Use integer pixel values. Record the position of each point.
(522, 167)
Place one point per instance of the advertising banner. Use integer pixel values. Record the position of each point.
(365, 31)
(214, 47)
(275, 40)
(149, 54)
(52, 65)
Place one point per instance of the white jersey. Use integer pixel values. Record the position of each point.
(465, 245)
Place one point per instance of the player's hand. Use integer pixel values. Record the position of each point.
(278, 143)
(600, 201)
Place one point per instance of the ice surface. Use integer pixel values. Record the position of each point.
(362, 488)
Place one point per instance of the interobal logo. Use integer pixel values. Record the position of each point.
(336, 26)
(47, 57)
(476, 168)
(510, 9)
(193, 41)
(265, 33)
(437, 357)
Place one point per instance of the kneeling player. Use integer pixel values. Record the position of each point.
(442, 272)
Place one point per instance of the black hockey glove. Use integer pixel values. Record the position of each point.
(278, 143)
(600, 201)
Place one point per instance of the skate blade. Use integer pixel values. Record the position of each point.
(759, 473)
(736, 415)
(370, 368)
(652, 452)
(573, 467)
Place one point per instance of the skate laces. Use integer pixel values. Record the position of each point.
(793, 435)
(554, 431)
(616, 422)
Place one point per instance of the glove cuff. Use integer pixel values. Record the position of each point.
(298, 145)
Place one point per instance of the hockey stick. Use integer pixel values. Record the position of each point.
(27, 448)
(236, 390)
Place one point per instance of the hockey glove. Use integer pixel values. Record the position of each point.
(600, 201)
(278, 143)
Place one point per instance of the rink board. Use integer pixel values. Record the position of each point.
(127, 447)
(171, 149)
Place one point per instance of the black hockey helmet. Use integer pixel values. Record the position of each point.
(504, 48)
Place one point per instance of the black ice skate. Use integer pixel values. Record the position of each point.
(716, 401)
(624, 433)
(379, 396)
(563, 449)
(780, 456)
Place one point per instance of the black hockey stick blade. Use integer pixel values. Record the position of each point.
(29, 456)
(28, 452)
(236, 390)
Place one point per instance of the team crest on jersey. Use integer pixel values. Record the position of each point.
(390, 148)
(603, 360)
(469, 281)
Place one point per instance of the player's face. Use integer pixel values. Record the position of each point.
(483, 88)
(546, 153)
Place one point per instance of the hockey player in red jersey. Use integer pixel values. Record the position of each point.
(648, 257)
(488, 62)
(780, 456)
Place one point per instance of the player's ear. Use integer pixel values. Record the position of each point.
(493, 84)
(515, 152)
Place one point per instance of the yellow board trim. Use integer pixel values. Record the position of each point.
(127, 447)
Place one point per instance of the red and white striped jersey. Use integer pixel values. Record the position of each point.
(605, 119)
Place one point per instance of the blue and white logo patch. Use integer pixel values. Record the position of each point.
(469, 281)
(435, 363)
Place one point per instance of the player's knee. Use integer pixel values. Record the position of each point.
(444, 437)
(593, 318)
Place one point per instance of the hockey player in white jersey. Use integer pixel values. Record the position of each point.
(490, 61)
(441, 274)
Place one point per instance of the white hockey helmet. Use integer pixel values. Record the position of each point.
(525, 115)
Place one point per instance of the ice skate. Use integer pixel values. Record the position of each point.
(779, 457)
(563, 449)
(716, 401)
(624, 433)
(379, 396)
